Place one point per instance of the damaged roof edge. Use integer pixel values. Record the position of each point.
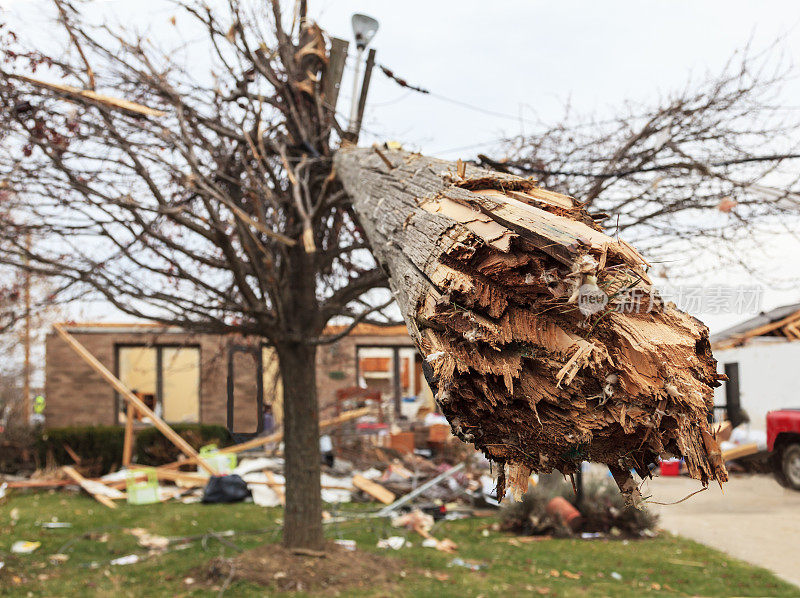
(762, 319)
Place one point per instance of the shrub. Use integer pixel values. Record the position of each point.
(100, 447)
(603, 510)
(153, 448)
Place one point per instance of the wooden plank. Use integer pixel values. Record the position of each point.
(93, 96)
(39, 483)
(533, 195)
(273, 484)
(81, 481)
(722, 430)
(126, 394)
(170, 475)
(196, 479)
(740, 451)
(374, 489)
(333, 74)
(127, 447)
(277, 436)
(72, 454)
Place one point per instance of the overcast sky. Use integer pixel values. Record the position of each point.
(522, 61)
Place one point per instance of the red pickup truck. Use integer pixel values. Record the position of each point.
(783, 442)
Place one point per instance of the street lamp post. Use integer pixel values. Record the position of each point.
(364, 29)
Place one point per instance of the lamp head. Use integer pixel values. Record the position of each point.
(364, 29)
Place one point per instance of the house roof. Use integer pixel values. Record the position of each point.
(368, 330)
(763, 319)
(136, 327)
(120, 327)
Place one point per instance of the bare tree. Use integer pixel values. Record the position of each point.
(214, 208)
(703, 165)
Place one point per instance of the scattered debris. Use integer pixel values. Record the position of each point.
(472, 566)
(129, 559)
(558, 507)
(346, 544)
(393, 542)
(25, 547)
(55, 524)
(546, 510)
(416, 520)
(150, 541)
(374, 489)
(225, 489)
(97, 490)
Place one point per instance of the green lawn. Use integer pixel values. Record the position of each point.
(665, 565)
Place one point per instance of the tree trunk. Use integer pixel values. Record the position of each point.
(302, 524)
(517, 299)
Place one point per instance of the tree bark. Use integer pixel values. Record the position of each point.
(497, 280)
(302, 527)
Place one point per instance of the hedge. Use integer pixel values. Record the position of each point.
(100, 447)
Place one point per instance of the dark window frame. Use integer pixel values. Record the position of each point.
(230, 386)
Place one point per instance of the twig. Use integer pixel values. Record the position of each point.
(382, 156)
(687, 497)
(226, 584)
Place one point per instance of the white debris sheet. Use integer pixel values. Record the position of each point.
(252, 472)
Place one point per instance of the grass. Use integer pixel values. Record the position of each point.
(666, 565)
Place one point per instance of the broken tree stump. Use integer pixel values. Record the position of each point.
(544, 340)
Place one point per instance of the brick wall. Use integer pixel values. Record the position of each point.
(77, 395)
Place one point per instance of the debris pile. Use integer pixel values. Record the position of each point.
(602, 512)
(545, 341)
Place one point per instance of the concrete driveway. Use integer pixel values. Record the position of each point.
(755, 520)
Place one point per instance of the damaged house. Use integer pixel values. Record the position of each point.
(760, 358)
(219, 379)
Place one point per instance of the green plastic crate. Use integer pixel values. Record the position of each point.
(221, 462)
(142, 492)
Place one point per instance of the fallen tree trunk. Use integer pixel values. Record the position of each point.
(545, 343)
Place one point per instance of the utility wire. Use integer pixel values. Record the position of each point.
(461, 148)
(403, 83)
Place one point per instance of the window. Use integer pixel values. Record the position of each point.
(394, 371)
(180, 395)
(166, 378)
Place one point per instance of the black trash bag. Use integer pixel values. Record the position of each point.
(225, 488)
